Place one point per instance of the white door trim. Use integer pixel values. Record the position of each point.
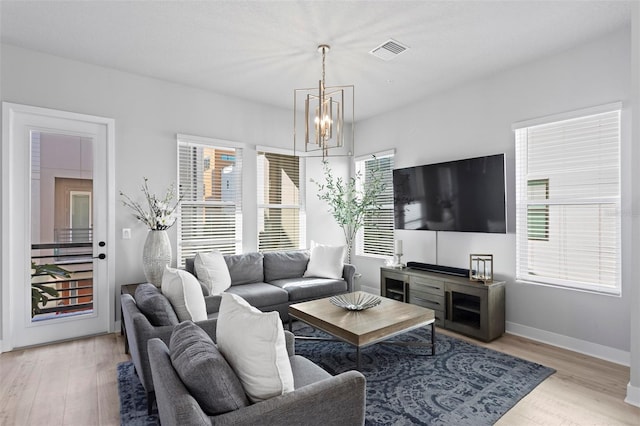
(10, 212)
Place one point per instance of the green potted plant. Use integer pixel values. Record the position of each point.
(40, 292)
(351, 201)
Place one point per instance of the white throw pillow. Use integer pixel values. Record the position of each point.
(212, 270)
(325, 261)
(253, 344)
(185, 294)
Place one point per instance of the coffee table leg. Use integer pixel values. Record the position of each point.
(358, 358)
(433, 338)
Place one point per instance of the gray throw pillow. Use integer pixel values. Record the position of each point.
(154, 305)
(204, 371)
(245, 268)
(285, 264)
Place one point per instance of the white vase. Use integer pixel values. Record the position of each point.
(156, 255)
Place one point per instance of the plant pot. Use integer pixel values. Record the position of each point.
(156, 255)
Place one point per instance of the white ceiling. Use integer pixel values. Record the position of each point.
(262, 50)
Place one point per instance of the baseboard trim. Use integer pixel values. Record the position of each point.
(372, 290)
(633, 395)
(581, 346)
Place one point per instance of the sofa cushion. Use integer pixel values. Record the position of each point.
(253, 343)
(285, 264)
(260, 294)
(325, 261)
(204, 371)
(245, 268)
(310, 288)
(154, 305)
(211, 269)
(185, 294)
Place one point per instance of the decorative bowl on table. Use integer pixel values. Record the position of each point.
(356, 301)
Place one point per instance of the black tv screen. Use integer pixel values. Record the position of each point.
(465, 195)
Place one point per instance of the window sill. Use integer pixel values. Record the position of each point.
(603, 292)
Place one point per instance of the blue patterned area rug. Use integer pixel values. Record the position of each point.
(463, 384)
(133, 399)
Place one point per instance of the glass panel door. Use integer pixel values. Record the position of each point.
(61, 226)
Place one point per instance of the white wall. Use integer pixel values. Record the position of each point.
(470, 120)
(475, 119)
(321, 227)
(148, 113)
(633, 388)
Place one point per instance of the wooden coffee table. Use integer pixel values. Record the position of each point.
(364, 328)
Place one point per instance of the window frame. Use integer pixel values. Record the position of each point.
(615, 202)
(301, 206)
(205, 142)
(360, 166)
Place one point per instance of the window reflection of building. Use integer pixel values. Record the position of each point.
(218, 174)
(280, 210)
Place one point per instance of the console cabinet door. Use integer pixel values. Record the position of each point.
(467, 310)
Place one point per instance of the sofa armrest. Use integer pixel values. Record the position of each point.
(339, 400)
(349, 273)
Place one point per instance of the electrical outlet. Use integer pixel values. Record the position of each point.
(126, 233)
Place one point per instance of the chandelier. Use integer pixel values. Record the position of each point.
(322, 120)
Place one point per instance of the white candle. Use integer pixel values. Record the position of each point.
(398, 247)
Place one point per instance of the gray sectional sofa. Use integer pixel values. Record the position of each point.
(318, 399)
(269, 281)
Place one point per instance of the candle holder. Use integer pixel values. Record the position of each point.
(397, 254)
(481, 268)
(397, 261)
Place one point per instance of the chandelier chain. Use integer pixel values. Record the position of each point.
(324, 49)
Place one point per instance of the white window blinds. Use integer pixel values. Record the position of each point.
(568, 203)
(280, 202)
(375, 238)
(210, 184)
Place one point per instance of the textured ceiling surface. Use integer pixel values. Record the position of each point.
(262, 50)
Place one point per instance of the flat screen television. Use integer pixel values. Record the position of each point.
(464, 195)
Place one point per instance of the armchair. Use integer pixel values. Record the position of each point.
(139, 331)
(318, 399)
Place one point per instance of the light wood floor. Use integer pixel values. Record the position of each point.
(74, 383)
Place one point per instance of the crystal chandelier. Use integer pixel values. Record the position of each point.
(322, 121)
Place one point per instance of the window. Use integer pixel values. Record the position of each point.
(281, 222)
(538, 214)
(375, 238)
(210, 184)
(568, 201)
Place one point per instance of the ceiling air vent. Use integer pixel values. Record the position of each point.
(388, 50)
